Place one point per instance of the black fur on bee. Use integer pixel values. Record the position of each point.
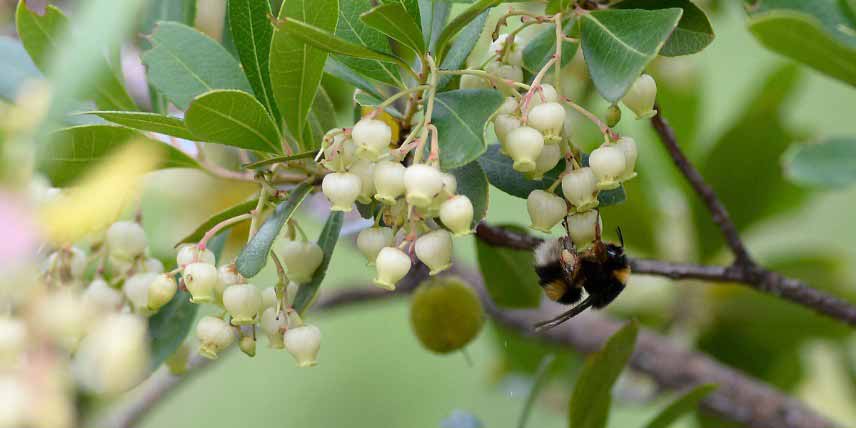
(602, 270)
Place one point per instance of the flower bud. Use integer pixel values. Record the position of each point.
(126, 239)
(301, 258)
(365, 171)
(550, 156)
(628, 146)
(422, 183)
(372, 138)
(514, 55)
(392, 264)
(214, 336)
(583, 227)
(153, 265)
(247, 344)
(470, 81)
(607, 162)
(269, 298)
(435, 250)
(370, 241)
(388, 181)
(580, 188)
(641, 97)
(243, 302)
(201, 281)
(546, 210)
(274, 324)
(161, 291)
(342, 189)
(190, 253)
(101, 297)
(548, 118)
(13, 340)
(547, 94)
(114, 356)
(524, 146)
(303, 344)
(228, 275)
(136, 289)
(613, 115)
(457, 215)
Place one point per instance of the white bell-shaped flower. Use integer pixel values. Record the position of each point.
(548, 118)
(547, 94)
(641, 96)
(214, 335)
(101, 297)
(546, 210)
(190, 253)
(580, 188)
(340, 153)
(503, 124)
(126, 239)
(273, 324)
(631, 153)
(371, 240)
(583, 227)
(510, 72)
(269, 298)
(422, 183)
(392, 264)
(457, 215)
(365, 171)
(301, 258)
(153, 265)
(342, 189)
(435, 250)
(607, 162)
(72, 261)
(229, 275)
(161, 291)
(62, 316)
(303, 343)
(243, 302)
(509, 106)
(514, 56)
(201, 280)
(372, 137)
(388, 181)
(114, 356)
(550, 156)
(524, 145)
(136, 289)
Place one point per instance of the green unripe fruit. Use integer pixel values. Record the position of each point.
(445, 314)
(613, 116)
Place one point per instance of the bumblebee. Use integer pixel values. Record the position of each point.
(602, 270)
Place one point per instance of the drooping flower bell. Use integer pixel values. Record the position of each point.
(392, 264)
(580, 188)
(641, 96)
(524, 145)
(301, 258)
(342, 189)
(457, 215)
(546, 210)
(373, 239)
(372, 137)
(214, 336)
(243, 302)
(435, 250)
(608, 164)
(303, 343)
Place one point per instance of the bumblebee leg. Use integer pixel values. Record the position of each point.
(576, 310)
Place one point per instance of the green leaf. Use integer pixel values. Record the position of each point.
(15, 69)
(170, 326)
(462, 46)
(233, 118)
(681, 406)
(184, 63)
(460, 117)
(592, 395)
(394, 21)
(618, 44)
(542, 48)
(556, 6)
(460, 22)
(327, 42)
(354, 30)
(70, 152)
(327, 241)
(410, 6)
(807, 39)
(433, 17)
(340, 70)
(252, 32)
(144, 121)
(263, 163)
(830, 163)
(322, 117)
(693, 33)
(202, 229)
(508, 275)
(472, 183)
(255, 254)
(44, 35)
(183, 11)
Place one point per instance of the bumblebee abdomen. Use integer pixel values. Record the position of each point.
(556, 285)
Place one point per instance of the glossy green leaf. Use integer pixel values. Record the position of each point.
(393, 20)
(202, 229)
(43, 36)
(15, 69)
(233, 118)
(472, 183)
(433, 17)
(327, 241)
(184, 63)
(182, 11)
(278, 159)
(327, 42)
(461, 21)
(693, 33)
(71, 152)
(322, 117)
(460, 117)
(170, 326)
(592, 395)
(144, 121)
(830, 163)
(508, 275)
(618, 44)
(410, 6)
(462, 46)
(685, 404)
(252, 32)
(352, 29)
(542, 48)
(255, 254)
(340, 70)
(556, 6)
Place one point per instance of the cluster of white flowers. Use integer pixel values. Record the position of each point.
(505, 63)
(412, 198)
